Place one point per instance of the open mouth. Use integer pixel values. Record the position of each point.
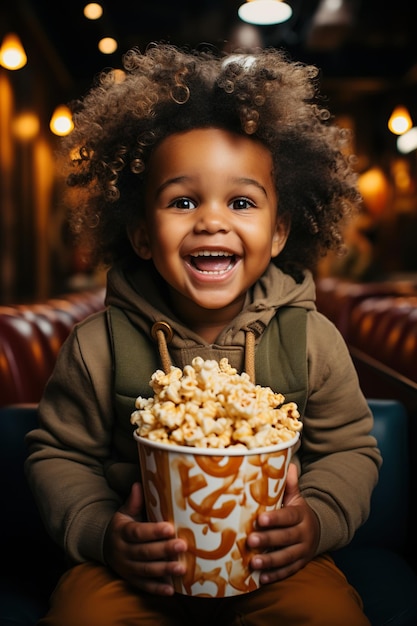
(212, 262)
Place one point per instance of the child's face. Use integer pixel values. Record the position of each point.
(211, 217)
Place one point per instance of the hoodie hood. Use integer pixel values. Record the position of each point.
(141, 294)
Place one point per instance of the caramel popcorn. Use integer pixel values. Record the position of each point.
(209, 405)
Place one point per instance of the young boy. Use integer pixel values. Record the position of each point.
(210, 185)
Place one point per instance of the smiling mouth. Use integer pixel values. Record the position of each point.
(212, 262)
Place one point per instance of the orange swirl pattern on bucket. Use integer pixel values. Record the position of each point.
(213, 501)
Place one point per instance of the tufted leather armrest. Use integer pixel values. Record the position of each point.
(31, 336)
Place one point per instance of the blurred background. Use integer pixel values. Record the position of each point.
(366, 51)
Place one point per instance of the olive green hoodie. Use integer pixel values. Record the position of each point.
(83, 459)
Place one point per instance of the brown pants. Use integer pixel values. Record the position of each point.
(318, 595)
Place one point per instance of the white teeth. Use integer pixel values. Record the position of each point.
(211, 253)
(218, 272)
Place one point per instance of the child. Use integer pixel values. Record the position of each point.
(210, 185)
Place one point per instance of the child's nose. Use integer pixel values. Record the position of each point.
(212, 217)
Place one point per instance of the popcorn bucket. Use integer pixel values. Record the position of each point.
(213, 498)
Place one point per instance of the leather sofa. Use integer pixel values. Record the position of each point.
(376, 561)
(378, 320)
(30, 338)
(338, 299)
(379, 323)
(386, 329)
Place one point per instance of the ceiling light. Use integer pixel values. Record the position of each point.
(263, 12)
(12, 53)
(93, 11)
(400, 121)
(61, 121)
(107, 45)
(408, 141)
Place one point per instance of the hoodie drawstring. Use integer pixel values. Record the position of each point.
(250, 354)
(162, 334)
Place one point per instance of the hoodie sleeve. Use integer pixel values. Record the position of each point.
(339, 457)
(69, 452)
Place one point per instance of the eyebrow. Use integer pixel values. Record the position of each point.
(251, 181)
(240, 180)
(171, 181)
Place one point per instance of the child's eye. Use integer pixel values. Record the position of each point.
(242, 203)
(183, 203)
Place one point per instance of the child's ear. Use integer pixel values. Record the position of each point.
(139, 239)
(279, 239)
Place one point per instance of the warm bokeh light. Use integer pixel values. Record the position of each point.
(400, 171)
(93, 11)
(408, 141)
(119, 75)
(264, 12)
(12, 53)
(26, 126)
(374, 188)
(107, 45)
(61, 121)
(400, 121)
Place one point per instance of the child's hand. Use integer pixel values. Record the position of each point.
(289, 535)
(143, 553)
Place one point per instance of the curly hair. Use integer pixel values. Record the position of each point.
(166, 90)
